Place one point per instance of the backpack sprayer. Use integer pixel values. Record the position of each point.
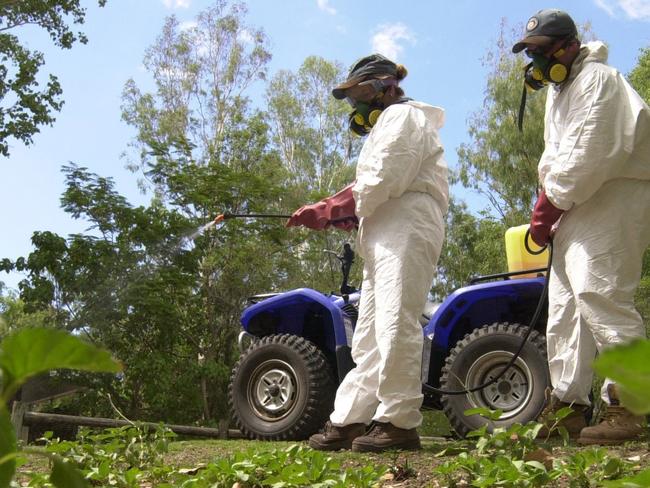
(427, 388)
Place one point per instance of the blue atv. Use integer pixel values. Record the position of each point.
(296, 350)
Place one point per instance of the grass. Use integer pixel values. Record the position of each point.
(424, 468)
(406, 469)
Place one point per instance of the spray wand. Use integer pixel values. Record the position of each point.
(427, 388)
(228, 215)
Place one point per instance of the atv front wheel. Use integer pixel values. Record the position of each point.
(281, 388)
(480, 357)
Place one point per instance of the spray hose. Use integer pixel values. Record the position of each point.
(531, 327)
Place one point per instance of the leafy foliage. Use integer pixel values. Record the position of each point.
(33, 351)
(640, 76)
(628, 366)
(130, 457)
(501, 161)
(514, 457)
(309, 132)
(13, 315)
(640, 79)
(121, 456)
(28, 352)
(473, 246)
(24, 106)
(162, 291)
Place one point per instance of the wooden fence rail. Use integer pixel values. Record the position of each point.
(22, 419)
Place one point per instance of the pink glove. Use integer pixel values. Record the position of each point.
(337, 211)
(545, 214)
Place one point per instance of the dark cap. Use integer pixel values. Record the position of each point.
(373, 66)
(545, 27)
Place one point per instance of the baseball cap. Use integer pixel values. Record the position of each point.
(545, 27)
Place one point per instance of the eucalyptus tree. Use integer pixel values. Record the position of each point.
(203, 150)
(169, 306)
(500, 161)
(24, 105)
(640, 76)
(309, 131)
(640, 79)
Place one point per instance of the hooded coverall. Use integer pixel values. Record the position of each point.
(401, 196)
(596, 167)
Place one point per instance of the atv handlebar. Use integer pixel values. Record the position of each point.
(346, 259)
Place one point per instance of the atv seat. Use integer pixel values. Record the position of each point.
(429, 309)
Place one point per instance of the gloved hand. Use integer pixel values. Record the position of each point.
(337, 211)
(346, 224)
(545, 214)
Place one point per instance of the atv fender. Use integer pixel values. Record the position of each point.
(474, 306)
(286, 313)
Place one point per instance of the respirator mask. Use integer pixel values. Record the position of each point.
(365, 114)
(539, 73)
(541, 70)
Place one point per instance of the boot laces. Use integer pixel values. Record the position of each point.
(326, 428)
(613, 414)
(376, 429)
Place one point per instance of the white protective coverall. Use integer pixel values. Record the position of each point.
(596, 166)
(401, 196)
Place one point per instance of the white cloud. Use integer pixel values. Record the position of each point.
(325, 6)
(633, 9)
(388, 39)
(636, 9)
(187, 25)
(176, 3)
(603, 4)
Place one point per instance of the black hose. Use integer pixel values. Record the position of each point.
(533, 322)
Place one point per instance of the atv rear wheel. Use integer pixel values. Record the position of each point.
(281, 388)
(478, 358)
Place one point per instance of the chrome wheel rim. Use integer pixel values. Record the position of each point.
(511, 393)
(272, 390)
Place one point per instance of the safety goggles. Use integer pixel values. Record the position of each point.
(547, 49)
(367, 90)
(538, 51)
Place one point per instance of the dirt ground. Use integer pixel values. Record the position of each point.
(414, 469)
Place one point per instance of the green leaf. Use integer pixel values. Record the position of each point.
(484, 412)
(29, 352)
(7, 447)
(64, 475)
(641, 480)
(536, 465)
(628, 366)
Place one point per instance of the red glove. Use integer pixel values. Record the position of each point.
(337, 210)
(545, 214)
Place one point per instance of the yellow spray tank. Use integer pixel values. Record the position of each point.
(519, 259)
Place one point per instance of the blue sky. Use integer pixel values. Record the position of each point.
(440, 42)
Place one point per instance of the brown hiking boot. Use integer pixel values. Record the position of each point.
(333, 438)
(573, 423)
(617, 425)
(384, 436)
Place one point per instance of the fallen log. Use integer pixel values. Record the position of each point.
(33, 418)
